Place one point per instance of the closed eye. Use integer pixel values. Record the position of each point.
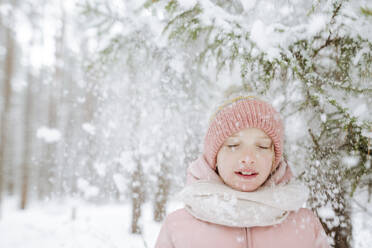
(232, 145)
(264, 147)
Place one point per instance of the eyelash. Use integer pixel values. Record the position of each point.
(262, 147)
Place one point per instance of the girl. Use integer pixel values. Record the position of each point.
(240, 192)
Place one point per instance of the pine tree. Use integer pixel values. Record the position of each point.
(312, 59)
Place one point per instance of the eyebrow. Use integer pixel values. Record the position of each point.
(260, 137)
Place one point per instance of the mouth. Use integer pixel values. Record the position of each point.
(246, 174)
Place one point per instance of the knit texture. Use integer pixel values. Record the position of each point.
(238, 114)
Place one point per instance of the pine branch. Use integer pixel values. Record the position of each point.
(330, 39)
(366, 11)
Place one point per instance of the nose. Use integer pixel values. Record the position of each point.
(248, 159)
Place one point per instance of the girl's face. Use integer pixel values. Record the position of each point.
(245, 159)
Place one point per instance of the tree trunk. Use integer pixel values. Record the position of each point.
(343, 233)
(55, 87)
(5, 118)
(137, 197)
(27, 143)
(71, 135)
(161, 196)
(60, 100)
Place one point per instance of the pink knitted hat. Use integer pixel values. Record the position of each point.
(240, 113)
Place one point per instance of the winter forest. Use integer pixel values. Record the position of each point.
(104, 104)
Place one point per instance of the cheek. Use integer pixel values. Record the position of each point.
(224, 161)
(224, 156)
(266, 157)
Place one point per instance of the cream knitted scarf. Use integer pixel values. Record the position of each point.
(215, 202)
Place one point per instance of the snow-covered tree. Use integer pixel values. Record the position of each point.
(313, 59)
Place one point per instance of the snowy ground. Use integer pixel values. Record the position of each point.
(50, 225)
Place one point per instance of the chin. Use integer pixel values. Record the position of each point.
(245, 188)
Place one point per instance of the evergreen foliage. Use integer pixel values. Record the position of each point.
(318, 56)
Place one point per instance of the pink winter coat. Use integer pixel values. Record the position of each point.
(301, 229)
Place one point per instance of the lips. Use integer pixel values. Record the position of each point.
(248, 173)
